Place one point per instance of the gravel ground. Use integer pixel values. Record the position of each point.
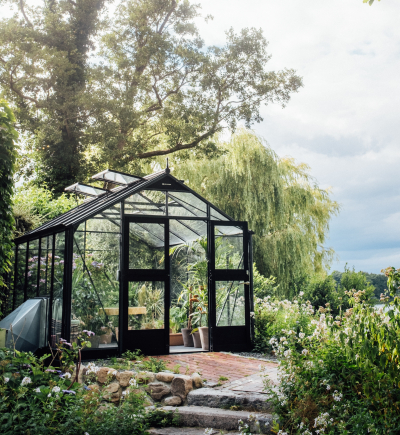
(263, 356)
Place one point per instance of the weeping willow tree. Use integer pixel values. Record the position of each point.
(283, 204)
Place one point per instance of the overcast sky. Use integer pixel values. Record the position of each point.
(345, 121)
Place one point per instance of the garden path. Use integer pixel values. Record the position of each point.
(243, 374)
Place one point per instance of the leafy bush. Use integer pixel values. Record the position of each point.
(34, 205)
(345, 378)
(36, 400)
(320, 290)
(271, 317)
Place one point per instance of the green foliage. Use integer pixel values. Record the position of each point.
(92, 93)
(151, 364)
(272, 318)
(345, 378)
(378, 280)
(369, 1)
(321, 290)
(263, 286)
(162, 418)
(283, 204)
(34, 205)
(8, 154)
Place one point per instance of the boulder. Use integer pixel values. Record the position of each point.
(157, 390)
(181, 386)
(196, 379)
(112, 392)
(124, 377)
(102, 375)
(165, 377)
(145, 377)
(172, 401)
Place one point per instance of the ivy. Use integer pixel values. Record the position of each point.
(8, 154)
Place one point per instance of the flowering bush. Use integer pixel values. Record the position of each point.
(346, 377)
(273, 317)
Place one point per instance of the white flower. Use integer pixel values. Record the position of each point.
(27, 380)
(85, 433)
(6, 380)
(37, 390)
(251, 315)
(124, 393)
(337, 396)
(302, 335)
(132, 382)
(112, 372)
(49, 395)
(208, 430)
(328, 387)
(301, 294)
(56, 389)
(67, 375)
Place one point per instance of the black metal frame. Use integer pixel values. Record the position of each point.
(162, 181)
(229, 338)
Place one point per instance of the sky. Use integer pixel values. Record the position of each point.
(344, 122)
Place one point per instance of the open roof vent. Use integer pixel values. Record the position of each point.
(116, 177)
(86, 190)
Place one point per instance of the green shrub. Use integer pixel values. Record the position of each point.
(343, 377)
(273, 317)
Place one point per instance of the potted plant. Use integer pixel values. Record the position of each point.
(177, 318)
(200, 334)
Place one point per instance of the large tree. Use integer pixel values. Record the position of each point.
(140, 84)
(283, 204)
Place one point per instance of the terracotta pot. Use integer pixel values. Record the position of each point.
(196, 339)
(204, 337)
(105, 338)
(187, 337)
(175, 339)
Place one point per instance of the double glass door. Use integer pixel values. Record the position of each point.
(162, 261)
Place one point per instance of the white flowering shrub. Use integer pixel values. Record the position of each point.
(272, 317)
(342, 375)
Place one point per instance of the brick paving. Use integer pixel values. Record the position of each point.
(212, 365)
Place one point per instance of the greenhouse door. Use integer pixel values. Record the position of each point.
(146, 285)
(229, 293)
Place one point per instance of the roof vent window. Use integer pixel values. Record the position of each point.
(86, 190)
(116, 177)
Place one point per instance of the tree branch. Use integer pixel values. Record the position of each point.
(21, 5)
(167, 17)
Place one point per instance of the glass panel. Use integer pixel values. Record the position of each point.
(147, 202)
(215, 215)
(183, 231)
(20, 278)
(146, 305)
(146, 245)
(186, 204)
(95, 288)
(45, 265)
(115, 177)
(58, 287)
(230, 303)
(33, 266)
(189, 266)
(228, 247)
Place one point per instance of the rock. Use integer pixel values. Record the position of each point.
(165, 376)
(181, 386)
(124, 377)
(112, 392)
(102, 375)
(157, 390)
(94, 387)
(196, 379)
(172, 401)
(145, 377)
(104, 407)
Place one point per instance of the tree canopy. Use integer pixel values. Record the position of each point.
(283, 204)
(93, 89)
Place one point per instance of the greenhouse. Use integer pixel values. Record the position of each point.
(143, 262)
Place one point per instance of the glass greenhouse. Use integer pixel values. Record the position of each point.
(145, 263)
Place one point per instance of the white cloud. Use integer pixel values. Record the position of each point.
(345, 122)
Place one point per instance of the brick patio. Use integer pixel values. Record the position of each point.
(212, 365)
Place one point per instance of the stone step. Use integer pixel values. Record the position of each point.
(187, 431)
(213, 398)
(205, 417)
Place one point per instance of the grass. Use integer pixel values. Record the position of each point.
(223, 378)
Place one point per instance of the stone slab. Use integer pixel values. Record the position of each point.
(185, 431)
(202, 416)
(227, 398)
